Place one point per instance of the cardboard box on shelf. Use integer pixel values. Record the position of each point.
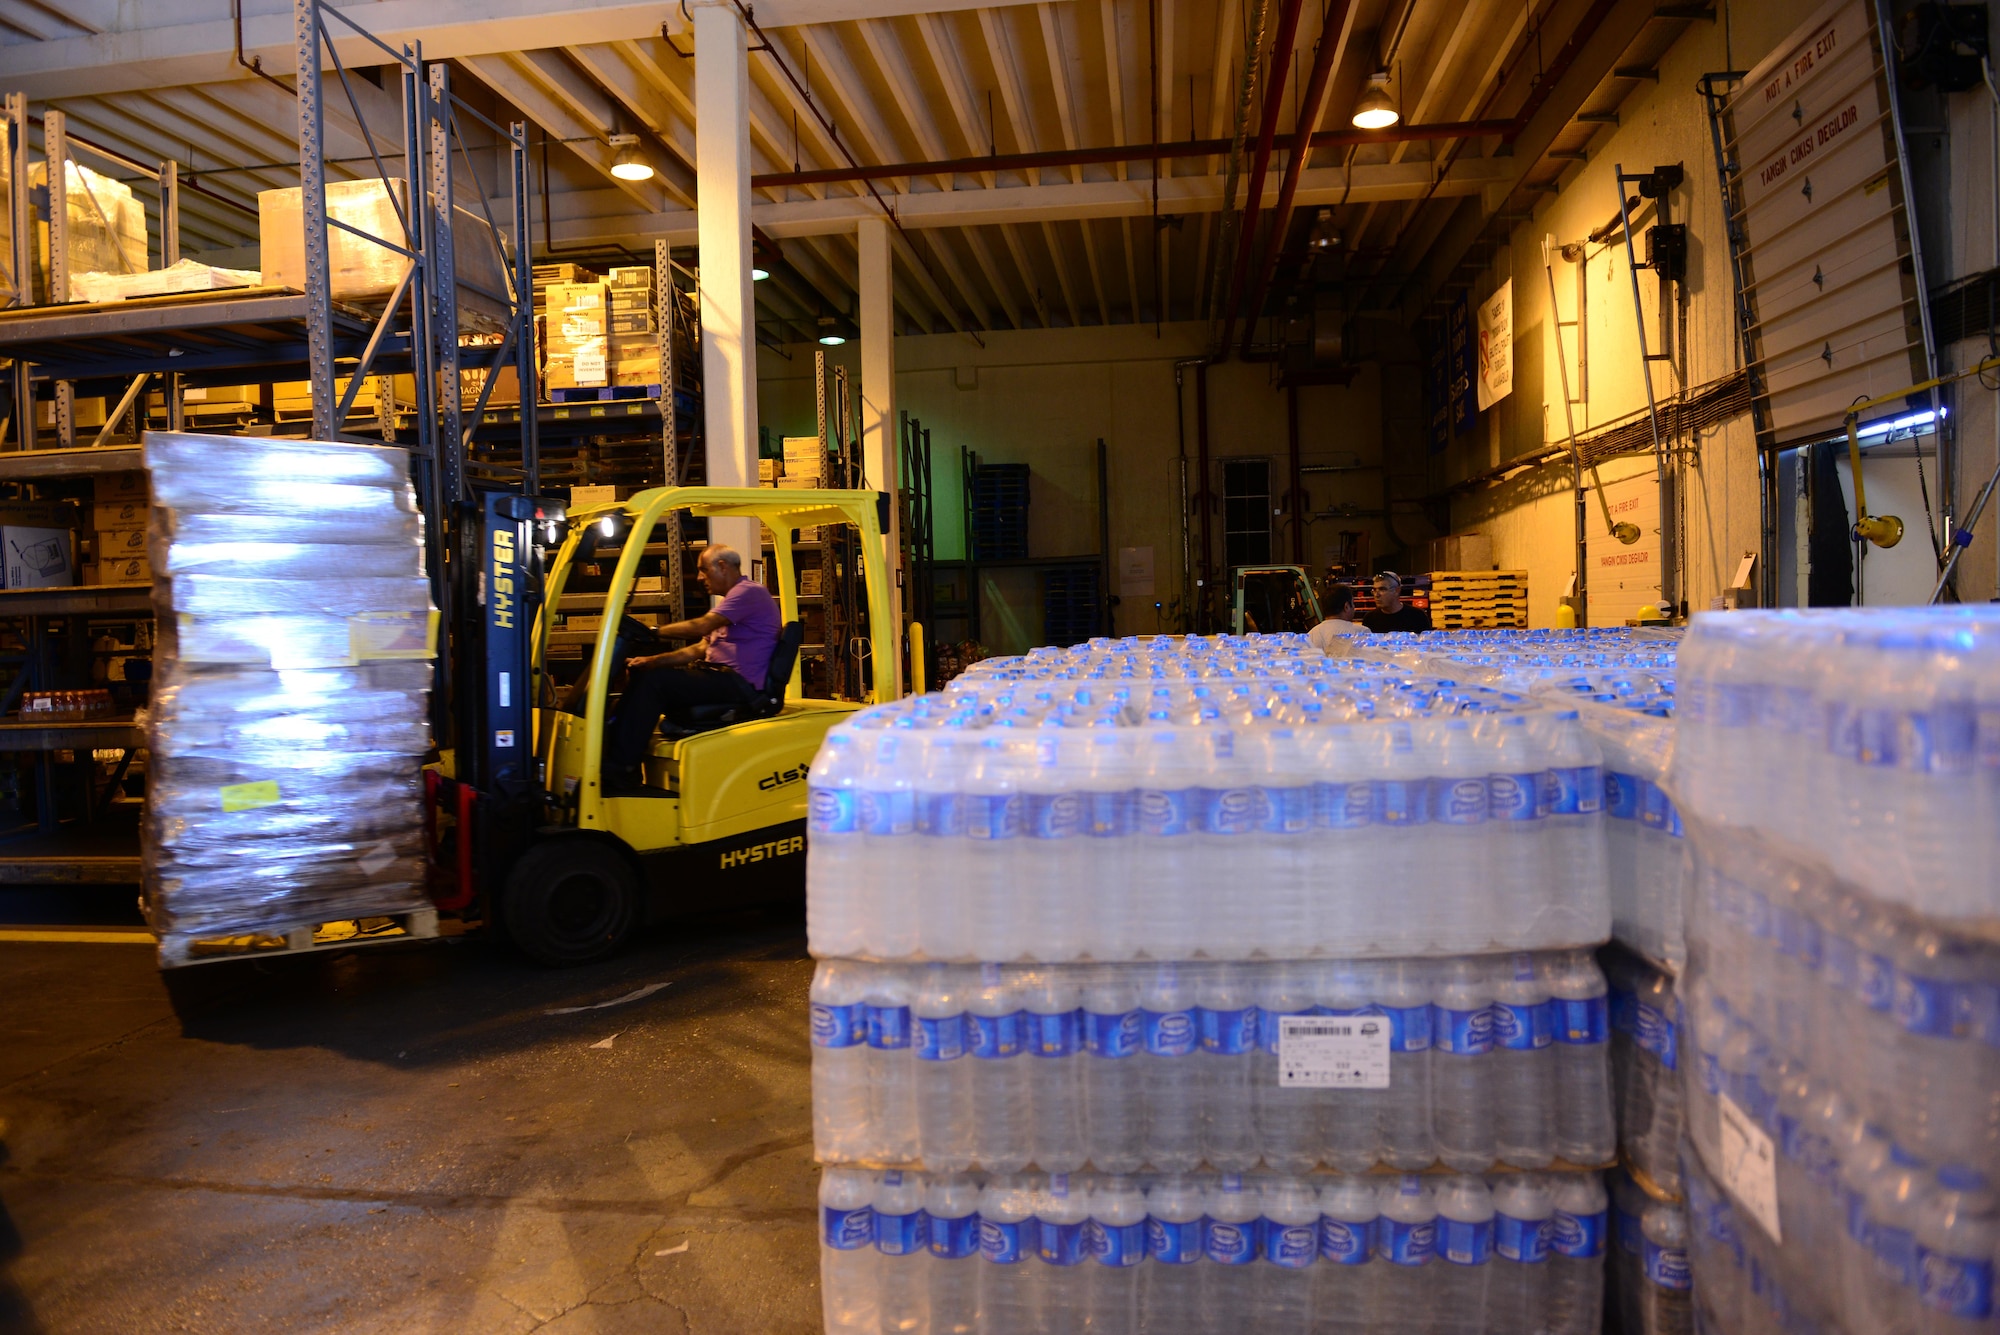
(295, 396)
(791, 483)
(106, 225)
(34, 557)
(113, 544)
(649, 584)
(86, 413)
(809, 581)
(565, 272)
(769, 471)
(576, 345)
(582, 496)
(506, 387)
(117, 516)
(133, 570)
(108, 487)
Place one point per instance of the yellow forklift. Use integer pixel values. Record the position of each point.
(543, 852)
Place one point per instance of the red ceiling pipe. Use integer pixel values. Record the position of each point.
(1274, 102)
(1310, 110)
(1087, 157)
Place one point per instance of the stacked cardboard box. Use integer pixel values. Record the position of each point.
(634, 330)
(106, 222)
(769, 471)
(118, 514)
(805, 460)
(37, 545)
(576, 325)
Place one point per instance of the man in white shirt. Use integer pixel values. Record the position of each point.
(1341, 622)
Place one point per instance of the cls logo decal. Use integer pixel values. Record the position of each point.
(779, 778)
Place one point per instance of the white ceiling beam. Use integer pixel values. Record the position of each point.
(982, 254)
(1012, 236)
(919, 265)
(856, 114)
(1059, 78)
(1061, 261)
(166, 51)
(1096, 273)
(887, 53)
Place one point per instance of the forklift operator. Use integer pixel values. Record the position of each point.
(726, 665)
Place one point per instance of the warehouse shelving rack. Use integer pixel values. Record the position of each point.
(259, 335)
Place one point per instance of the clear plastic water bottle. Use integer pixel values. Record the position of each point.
(1000, 1075)
(1113, 1035)
(1284, 840)
(1458, 840)
(892, 1108)
(1052, 829)
(839, 1028)
(1168, 819)
(1405, 1110)
(942, 1074)
(1053, 1019)
(1231, 811)
(1665, 1296)
(1347, 1279)
(847, 1259)
(902, 1239)
(1893, 1191)
(1117, 1238)
(1523, 1064)
(836, 866)
(1577, 1234)
(1171, 1286)
(1008, 1241)
(1290, 1213)
(888, 824)
(1288, 1121)
(1408, 858)
(1229, 1034)
(1465, 1254)
(1461, 1065)
(1111, 914)
(991, 809)
(944, 926)
(1346, 1119)
(1405, 1248)
(1229, 1245)
(1527, 899)
(1573, 811)
(1062, 1281)
(1581, 1007)
(1519, 1295)
(1958, 1233)
(1173, 1105)
(952, 1204)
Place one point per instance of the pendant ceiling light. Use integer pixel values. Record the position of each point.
(1375, 111)
(626, 164)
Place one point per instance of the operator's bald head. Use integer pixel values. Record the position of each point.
(717, 554)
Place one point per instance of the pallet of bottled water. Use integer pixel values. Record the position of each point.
(1213, 1254)
(1651, 1260)
(1471, 1062)
(1333, 815)
(1645, 1069)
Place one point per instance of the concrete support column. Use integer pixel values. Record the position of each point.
(728, 307)
(881, 431)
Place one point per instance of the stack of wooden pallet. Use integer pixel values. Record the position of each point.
(1467, 599)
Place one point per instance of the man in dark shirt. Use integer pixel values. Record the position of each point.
(725, 666)
(1391, 612)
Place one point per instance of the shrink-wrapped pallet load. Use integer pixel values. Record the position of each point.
(289, 723)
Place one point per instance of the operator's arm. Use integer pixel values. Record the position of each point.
(694, 628)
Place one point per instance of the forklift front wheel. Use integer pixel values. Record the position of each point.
(570, 901)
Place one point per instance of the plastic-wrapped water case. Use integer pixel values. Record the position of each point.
(289, 720)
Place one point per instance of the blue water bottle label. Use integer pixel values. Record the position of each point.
(886, 812)
(1841, 961)
(1711, 1073)
(1459, 801)
(1944, 740)
(1287, 810)
(1052, 815)
(901, 1234)
(940, 1038)
(1924, 1006)
(1895, 1250)
(1403, 1243)
(1465, 1241)
(1164, 814)
(994, 1036)
(1063, 1244)
(1959, 1286)
(1878, 981)
(1513, 796)
(940, 815)
(1523, 1028)
(1114, 1035)
(954, 1239)
(1108, 815)
(1652, 805)
(1523, 1240)
(1666, 1267)
(1624, 1010)
(1654, 1032)
(1231, 811)
(1171, 1033)
(1577, 1235)
(1343, 806)
(1118, 1245)
(1229, 1033)
(1401, 802)
(1409, 1028)
(1292, 1246)
(888, 1026)
(991, 815)
(1576, 790)
(831, 811)
(1631, 1237)
(839, 1026)
(1174, 1244)
(1229, 1244)
(1463, 1033)
(1001, 1243)
(1582, 1019)
(1058, 1035)
(1877, 735)
(1344, 1242)
(1621, 796)
(847, 1230)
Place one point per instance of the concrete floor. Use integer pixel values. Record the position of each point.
(407, 1140)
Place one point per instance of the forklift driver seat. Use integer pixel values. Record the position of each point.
(764, 704)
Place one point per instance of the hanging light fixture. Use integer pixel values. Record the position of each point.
(626, 164)
(1375, 111)
(828, 335)
(758, 275)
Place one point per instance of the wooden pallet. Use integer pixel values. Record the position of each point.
(604, 394)
(179, 951)
(1459, 579)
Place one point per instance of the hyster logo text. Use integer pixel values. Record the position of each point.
(779, 778)
(777, 848)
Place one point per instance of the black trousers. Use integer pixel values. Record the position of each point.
(654, 693)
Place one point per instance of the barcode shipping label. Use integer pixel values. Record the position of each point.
(1750, 1166)
(1333, 1052)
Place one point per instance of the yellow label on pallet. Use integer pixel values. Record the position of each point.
(250, 796)
(374, 636)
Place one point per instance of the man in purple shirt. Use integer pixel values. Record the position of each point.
(725, 666)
